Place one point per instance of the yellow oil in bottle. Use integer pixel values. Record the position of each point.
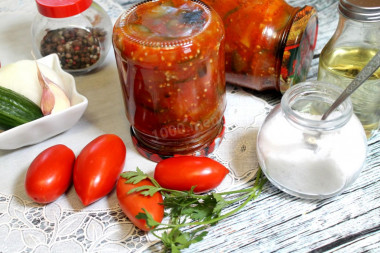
(340, 66)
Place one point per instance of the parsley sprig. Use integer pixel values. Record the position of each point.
(190, 214)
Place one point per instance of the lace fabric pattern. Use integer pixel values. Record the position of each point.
(29, 227)
(65, 225)
(277, 222)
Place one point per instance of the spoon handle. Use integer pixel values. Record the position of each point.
(363, 75)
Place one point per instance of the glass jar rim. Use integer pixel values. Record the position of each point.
(318, 92)
(172, 43)
(299, 42)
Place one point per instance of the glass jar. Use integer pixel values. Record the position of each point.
(78, 31)
(269, 44)
(304, 155)
(170, 58)
(355, 41)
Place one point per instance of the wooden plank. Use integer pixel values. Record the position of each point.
(278, 222)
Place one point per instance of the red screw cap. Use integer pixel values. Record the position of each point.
(62, 8)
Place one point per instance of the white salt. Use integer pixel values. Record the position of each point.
(311, 165)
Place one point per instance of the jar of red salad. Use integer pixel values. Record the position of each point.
(269, 44)
(170, 58)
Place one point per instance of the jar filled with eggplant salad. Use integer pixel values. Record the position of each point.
(269, 43)
(170, 58)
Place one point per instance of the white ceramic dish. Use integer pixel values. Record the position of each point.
(48, 126)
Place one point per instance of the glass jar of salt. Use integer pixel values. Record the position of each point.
(308, 157)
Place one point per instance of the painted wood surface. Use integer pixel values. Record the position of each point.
(277, 222)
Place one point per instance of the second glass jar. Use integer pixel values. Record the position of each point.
(269, 44)
(170, 57)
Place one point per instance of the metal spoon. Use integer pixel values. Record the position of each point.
(363, 75)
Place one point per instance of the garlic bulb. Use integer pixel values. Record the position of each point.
(22, 77)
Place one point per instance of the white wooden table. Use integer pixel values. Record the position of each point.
(275, 222)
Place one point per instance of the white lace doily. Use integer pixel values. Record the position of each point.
(29, 227)
(66, 225)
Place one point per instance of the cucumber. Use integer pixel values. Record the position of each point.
(16, 109)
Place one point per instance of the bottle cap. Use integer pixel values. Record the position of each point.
(299, 48)
(62, 8)
(360, 10)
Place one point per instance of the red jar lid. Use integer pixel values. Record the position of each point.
(62, 8)
(204, 151)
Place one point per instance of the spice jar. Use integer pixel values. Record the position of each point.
(170, 58)
(304, 155)
(78, 31)
(269, 44)
(355, 41)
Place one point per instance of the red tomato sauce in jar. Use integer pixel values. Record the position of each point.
(269, 44)
(170, 58)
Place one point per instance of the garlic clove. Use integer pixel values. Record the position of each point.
(47, 101)
(53, 98)
(61, 100)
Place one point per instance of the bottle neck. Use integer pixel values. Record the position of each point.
(366, 34)
(346, 24)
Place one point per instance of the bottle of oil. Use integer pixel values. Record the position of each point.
(355, 41)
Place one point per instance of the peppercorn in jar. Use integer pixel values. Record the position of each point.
(78, 31)
(170, 57)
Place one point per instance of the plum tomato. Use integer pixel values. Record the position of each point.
(132, 203)
(50, 173)
(183, 172)
(98, 167)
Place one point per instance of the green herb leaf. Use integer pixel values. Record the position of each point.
(185, 239)
(202, 210)
(221, 203)
(174, 248)
(134, 177)
(146, 190)
(148, 218)
(189, 211)
(177, 239)
(190, 207)
(166, 240)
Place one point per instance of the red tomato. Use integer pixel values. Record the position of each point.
(98, 166)
(183, 172)
(132, 204)
(49, 174)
